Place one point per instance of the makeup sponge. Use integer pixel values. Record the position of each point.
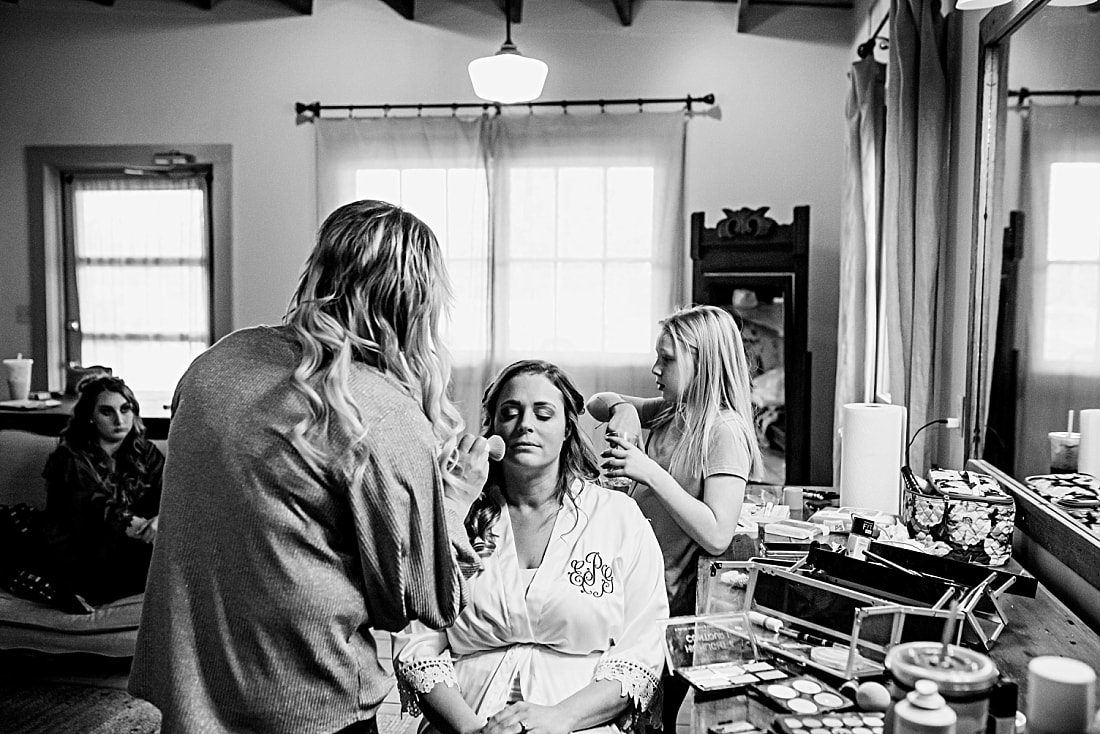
(871, 696)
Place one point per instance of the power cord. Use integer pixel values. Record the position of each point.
(938, 421)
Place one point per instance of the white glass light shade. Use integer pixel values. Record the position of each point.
(1070, 3)
(979, 4)
(507, 77)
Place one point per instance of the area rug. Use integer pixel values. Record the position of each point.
(47, 708)
(38, 707)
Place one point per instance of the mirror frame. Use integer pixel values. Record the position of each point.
(996, 28)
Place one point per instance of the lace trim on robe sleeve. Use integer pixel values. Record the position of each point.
(421, 676)
(637, 682)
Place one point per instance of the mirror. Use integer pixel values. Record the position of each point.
(1035, 274)
(758, 270)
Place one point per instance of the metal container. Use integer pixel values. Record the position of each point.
(964, 678)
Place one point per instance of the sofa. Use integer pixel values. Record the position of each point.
(26, 625)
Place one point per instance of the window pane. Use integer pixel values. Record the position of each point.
(531, 307)
(580, 213)
(380, 184)
(467, 330)
(120, 299)
(467, 214)
(532, 208)
(424, 193)
(1070, 312)
(147, 366)
(630, 212)
(579, 326)
(1074, 229)
(628, 293)
(121, 223)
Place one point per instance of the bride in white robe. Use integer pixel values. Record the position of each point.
(560, 630)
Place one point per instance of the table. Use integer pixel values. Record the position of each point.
(1054, 548)
(50, 421)
(1042, 625)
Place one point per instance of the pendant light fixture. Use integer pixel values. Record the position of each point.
(508, 76)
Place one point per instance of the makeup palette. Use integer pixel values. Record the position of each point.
(846, 723)
(803, 695)
(717, 676)
(734, 727)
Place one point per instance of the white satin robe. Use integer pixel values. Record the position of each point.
(590, 613)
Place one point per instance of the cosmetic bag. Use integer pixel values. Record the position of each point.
(961, 515)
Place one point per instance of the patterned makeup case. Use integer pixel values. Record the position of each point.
(962, 515)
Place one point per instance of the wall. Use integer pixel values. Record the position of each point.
(168, 73)
(951, 331)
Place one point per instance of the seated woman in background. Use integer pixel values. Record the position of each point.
(559, 633)
(103, 485)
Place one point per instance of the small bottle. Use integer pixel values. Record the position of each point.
(1002, 708)
(924, 711)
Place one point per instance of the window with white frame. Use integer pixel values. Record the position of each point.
(574, 231)
(454, 203)
(1068, 274)
(573, 272)
(137, 256)
(137, 275)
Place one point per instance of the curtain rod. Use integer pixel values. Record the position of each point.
(310, 112)
(1023, 93)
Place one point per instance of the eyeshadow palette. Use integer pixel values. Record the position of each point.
(734, 727)
(730, 675)
(847, 723)
(802, 694)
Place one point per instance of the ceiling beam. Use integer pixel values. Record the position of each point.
(405, 8)
(625, 9)
(516, 7)
(305, 7)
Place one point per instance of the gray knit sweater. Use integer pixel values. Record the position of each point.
(267, 576)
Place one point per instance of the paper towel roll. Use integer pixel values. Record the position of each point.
(872, 441)
(1088, 454)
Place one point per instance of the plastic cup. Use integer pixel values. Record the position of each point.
(1061, 695)
(18, 371)
(620, 483)
(1063, 451)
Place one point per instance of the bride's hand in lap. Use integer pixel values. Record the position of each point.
(528, 718)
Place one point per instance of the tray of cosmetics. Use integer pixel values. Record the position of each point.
(1082, 489)
(847, 723)
(1077, 494)
(719, 676)
(801, 694)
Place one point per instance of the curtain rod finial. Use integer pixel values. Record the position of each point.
(306, 112)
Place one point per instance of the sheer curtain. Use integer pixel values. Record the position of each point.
(860, 241)
(1059, 324)
(564, 234)
(918, 114)
(140, 280)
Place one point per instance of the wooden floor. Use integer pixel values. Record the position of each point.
(94, 671)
